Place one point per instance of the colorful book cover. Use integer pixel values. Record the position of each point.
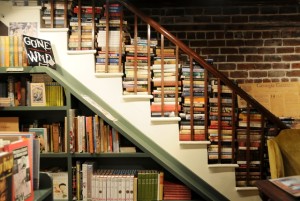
(37, 94)
(60, 185)
(22, 171)
(42, 135)
(6, 172)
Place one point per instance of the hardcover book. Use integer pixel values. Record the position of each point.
(60, 185)
(6, 171)
(42, 135)
(37, 94)
(22, 171)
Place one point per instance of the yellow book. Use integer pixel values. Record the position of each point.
(15, 50)
(2, 43)
(6, 51)
(11, 50)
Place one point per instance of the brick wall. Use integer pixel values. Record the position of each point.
(249, 42)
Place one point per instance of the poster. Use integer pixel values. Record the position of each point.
(281, 98)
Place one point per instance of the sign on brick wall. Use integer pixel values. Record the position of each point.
(281, 98)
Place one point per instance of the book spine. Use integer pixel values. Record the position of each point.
(78, 181)
(84, 181)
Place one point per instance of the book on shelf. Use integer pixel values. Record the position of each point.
(87, 172)
(290, 184)
(23, 172)
(60, 185)
(42, 135)
(9, 123)
(6, 175)
(37, 94)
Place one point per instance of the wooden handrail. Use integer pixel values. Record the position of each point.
(270, 116)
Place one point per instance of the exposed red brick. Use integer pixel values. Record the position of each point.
(273, 42)
(293, 73)
(208, 51)
(253, 66)
(285, 50)
(222, 19)
(235, 43)
(295, 66)
(253, 43)
(291, 42)
(218, 58)
(228, 50)
(276, 73)
(272, 58)
(281, 66)
(291, 57)
(235, 58)
(210, 35)
(297, 49)
(254, 58)
(239, 74)
(266, 50)
(240, 19)
(227, 66)
(216, 43)
(220, 35)
(258, 74)
(248, 50)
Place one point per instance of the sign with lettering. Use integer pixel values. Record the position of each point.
(281, 98)
(39, 52)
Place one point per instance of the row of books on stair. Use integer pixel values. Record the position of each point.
(41, 90)
(92, 182)
(19, 165)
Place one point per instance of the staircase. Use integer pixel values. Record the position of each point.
(187, 161)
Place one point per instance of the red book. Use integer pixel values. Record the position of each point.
(23, 169)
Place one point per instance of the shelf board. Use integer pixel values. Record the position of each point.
(54, 155)
(16, 69)
(110, 155)
(41, 194)
(34, 108)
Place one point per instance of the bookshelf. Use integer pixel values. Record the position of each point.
(148, 155)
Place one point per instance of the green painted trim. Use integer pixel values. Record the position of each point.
(133, 134)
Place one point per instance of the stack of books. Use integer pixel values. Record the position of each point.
(166, 83)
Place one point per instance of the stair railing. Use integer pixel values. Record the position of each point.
(216, 73)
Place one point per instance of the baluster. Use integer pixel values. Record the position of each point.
(162, 58)
(192, 98)
(149, 58)
(107, 36)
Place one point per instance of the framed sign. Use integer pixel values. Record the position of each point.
(39, 52)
